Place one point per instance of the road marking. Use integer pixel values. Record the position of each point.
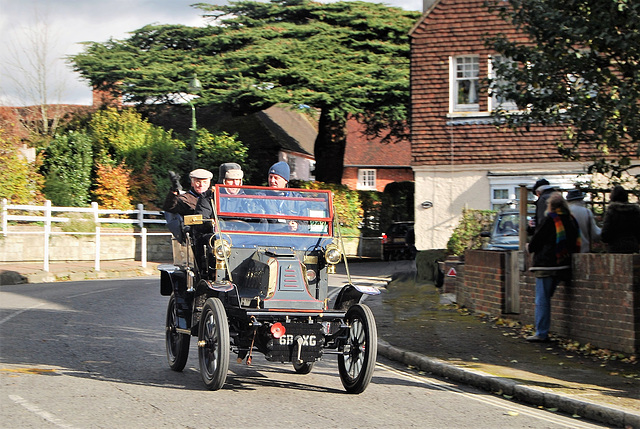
(38, 411)
(12, 315)
(91, 292)
(497, 402)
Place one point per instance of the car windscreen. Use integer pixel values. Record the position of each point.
(274, 210)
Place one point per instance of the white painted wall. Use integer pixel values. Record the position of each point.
(451, 189)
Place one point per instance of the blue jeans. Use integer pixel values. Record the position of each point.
(545, 286)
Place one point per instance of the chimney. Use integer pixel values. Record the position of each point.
(427, 4)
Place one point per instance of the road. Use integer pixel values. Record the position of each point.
(91, 355)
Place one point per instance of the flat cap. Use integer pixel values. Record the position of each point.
(201, 173)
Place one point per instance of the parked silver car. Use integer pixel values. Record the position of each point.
(505, 231)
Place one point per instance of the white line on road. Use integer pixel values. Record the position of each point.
(496, 402)
(39, 412)
(11, 316)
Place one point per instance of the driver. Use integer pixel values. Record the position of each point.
(230, 173)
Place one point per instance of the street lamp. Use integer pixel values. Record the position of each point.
(194, 87)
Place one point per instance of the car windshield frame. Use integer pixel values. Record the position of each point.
(256, 204)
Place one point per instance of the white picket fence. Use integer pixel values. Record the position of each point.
(45, 214)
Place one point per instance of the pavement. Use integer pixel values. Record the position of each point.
(428, 333)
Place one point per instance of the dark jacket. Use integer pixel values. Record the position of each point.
(183, 204)
(541, 208)
(544, 247)
(621, 228)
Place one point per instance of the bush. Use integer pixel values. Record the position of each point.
(466, 236)
(346, 203)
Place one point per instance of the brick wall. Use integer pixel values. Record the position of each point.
(384, 176)
(601, 306)
(486, 269)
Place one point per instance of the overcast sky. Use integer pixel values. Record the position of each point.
(68, 23)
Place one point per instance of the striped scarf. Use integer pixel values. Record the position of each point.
(562, 249)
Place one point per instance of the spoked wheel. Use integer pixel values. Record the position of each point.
(177, 343)
(303, 368)
(357, 362)
(213, 344)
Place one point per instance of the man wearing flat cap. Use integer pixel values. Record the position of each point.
(589, 231)
(231, 174)
(184, 203)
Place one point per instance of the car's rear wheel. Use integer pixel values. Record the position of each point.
(177, 344)
(213, 344)
(303, 367)
(358, 361)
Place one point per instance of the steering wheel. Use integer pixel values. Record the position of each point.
(236, 225)
(510, 231)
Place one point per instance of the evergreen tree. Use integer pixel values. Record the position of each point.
(342, 59)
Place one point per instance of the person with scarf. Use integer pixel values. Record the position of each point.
(552, 246)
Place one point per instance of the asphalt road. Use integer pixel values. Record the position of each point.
(91, 355)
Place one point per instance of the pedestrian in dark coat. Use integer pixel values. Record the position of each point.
(621, 228)
(543, 190)
(552, 246)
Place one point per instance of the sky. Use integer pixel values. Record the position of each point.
(68, 23)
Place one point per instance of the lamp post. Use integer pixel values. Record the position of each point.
(194, 87)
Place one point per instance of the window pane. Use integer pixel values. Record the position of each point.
(466, 84)
(500, 194)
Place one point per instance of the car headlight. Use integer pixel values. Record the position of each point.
(332, 254)
(221, 249)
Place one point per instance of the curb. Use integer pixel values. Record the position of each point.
(15, 278)
(518, 391)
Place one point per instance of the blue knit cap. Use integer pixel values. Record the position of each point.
(281, 169)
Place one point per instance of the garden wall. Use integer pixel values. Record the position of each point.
(601, 306)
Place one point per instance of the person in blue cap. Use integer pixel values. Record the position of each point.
(279, 175)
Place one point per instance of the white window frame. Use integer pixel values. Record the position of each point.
(494, 102)
(512, 184)
(469, 68)
(366, 179)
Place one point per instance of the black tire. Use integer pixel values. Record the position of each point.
(213, 344)
(357, 365)
(303, 368)
(177, 344)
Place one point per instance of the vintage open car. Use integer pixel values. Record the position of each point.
(254, 278)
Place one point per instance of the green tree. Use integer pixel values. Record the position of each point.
(215, 149)
(67, 166)
(124, 136)
(579, 69)
(343, 59)
(19, 179)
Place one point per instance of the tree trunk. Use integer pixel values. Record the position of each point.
(329, 148)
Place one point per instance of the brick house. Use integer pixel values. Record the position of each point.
(370, 164)
(459, 158)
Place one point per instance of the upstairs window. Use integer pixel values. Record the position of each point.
(464, 84)
(496, 101)
(366, 179)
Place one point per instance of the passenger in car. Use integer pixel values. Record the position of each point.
(278, 177)
(230, 173)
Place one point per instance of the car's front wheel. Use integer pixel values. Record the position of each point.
(357, 362)
(213, 344)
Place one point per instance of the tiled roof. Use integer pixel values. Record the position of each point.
(460, 27)
(362, 151)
